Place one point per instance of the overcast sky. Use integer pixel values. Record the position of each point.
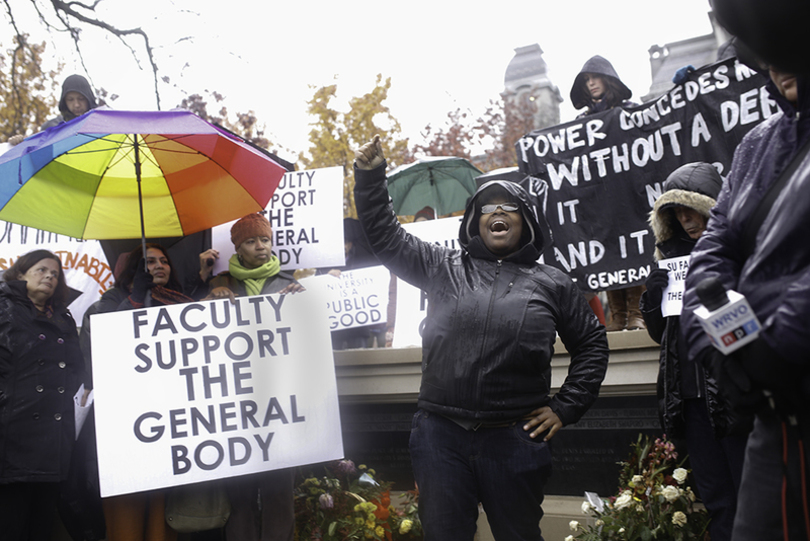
(440, 55)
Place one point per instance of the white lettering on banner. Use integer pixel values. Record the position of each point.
(606, 280)
(745, 112)
(203, 391)
(644, 150)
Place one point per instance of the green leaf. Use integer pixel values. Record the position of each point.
(646, 534)
(332, 528)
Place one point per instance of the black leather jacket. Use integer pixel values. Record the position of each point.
(491, 324)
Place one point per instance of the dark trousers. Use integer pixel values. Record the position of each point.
(27, 511)
(717, 465)
(759, 507)
(455, 469)
(262, 507)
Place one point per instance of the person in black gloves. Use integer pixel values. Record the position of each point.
(689, 403)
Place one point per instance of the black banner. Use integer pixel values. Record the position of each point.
(598, 177)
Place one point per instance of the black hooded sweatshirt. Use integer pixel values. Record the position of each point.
(491, 323)
(73, 83)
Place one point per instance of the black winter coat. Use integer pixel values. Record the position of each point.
(491, 324)
(694, 186)
(775, 278)
(41, 369)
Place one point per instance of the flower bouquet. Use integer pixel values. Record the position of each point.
(654, 501)
(348, 503)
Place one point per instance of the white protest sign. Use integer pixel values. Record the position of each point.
(83, 261)
(411, 302)
(672, 301)
(306, 213)
(200, 391)
(360, 298)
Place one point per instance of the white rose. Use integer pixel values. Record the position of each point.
(624, 500)
(671, 493)
(586, 507)
(679, 475)
(573, 525)
(637, 479)
(621, 530)
(569, 538)
(679, 519)
(600, 523)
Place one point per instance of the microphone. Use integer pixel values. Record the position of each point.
(726, 316)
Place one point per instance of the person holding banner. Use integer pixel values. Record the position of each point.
(598, 88)
(690, 404)
(262, 504)
(41, 369)
(485, 420)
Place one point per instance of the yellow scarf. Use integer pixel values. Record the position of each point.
(253, 279)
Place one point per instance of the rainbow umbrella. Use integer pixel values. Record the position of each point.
(124, 174)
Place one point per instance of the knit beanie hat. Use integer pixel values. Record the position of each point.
(252, 225)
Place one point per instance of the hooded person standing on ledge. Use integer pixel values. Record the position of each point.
(690, 403)
(485, 421)
(598, 87)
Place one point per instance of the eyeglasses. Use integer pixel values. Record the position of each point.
(506, 207)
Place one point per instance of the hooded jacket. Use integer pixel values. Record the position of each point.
(695, 186)
(491, 323)
(73, 83)
(775, 277)
(599, 66)
(41, 368)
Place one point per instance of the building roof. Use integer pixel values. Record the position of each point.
(665, 60)
(527, 67)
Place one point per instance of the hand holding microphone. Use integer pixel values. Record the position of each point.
(726, 316)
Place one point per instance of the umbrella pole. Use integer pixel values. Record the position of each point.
(140, 200)
(147, 301)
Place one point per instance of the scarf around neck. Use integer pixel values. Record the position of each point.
(253, 279)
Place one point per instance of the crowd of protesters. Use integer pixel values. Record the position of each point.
(486, 414)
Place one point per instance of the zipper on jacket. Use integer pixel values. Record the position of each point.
(486, 329)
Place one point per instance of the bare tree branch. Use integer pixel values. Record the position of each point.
(67, 8)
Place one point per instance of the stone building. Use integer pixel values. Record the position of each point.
(699, 51)
(526, 80)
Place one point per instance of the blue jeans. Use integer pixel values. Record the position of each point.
(455, 469)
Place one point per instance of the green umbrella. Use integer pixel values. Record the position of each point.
(443, 183)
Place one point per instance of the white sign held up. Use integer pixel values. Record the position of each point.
(83, 261)
(306, 214)
(672, 301)
(411, 302)
(209, 390)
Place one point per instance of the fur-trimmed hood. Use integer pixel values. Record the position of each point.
(694, 185)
